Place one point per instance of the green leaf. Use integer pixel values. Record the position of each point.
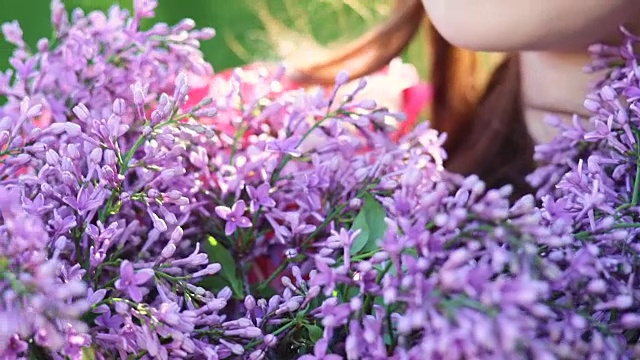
(315, 332)
(35, 353)
(370, 221)
(221, 255)
(88, 353)
(360, 222)
(387, 339)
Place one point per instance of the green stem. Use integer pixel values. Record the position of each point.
(394, 340)
(369, 298)
(276, 174)
(324, 223)
(275, 333)
(283, 328)
(383, 272)
(125, 164)
(280, 269)
(626, 226)
(236, 138)
(129, 155)
(287, 158)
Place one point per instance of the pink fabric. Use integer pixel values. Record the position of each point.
(397, 86)
(415, 100)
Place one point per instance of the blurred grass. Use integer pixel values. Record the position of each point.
(230, 17)
(241, 35)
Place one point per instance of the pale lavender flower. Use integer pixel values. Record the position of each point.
(13, 33)
(288, 146)
(260, 197)
(234, 217)
(443, 267)
(130, 281)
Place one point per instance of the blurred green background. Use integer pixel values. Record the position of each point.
(241, 25)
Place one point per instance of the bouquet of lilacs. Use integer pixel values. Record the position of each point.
(272, 223)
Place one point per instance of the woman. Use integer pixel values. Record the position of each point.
(492, 130)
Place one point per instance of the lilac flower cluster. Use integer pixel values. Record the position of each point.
(38, 296)
(590, 188)
(263, 223)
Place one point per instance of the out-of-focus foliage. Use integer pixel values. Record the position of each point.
(244, 27)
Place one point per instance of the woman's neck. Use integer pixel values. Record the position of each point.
(553, 83)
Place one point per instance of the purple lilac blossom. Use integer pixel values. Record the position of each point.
(234, 217)
(117, 239)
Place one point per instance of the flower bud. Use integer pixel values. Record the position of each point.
(367, 104)
(121, 308)
(176, 235)
(207, 112)
(591, 105)
(34, 111)
(109, 157)
(139, 93)
(235, 348)
(257, 355)
(630, 321)
(270, 340)
(216, 304)
(249, 303)
(342, 78)
(153, 193)
(52, 157)
(607, 93)
(286, 281)
(43, 45)
(4, 138)
(597, 286)
(211, 269)
(379, 257)
(69, 179)
(252, 332)
(46, 189)
(355, 304)
(196, 289)
(169, 217)
(81, 112)
(158, 223)
(225, 293)
(18, 160)
(119, 107)
(96, 155)
(274, 301)
(168, 251)
(70, 128)
(355, 203)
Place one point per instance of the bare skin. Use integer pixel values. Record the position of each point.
(551, 37)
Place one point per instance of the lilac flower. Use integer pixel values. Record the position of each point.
(145, 8)
(343, 238)
(260, 197)
(286, 146)
(234, 217)
(90, 190)
(130, 280)
(13, 33)
(325, 277)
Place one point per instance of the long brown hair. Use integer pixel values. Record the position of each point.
(486, 130)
